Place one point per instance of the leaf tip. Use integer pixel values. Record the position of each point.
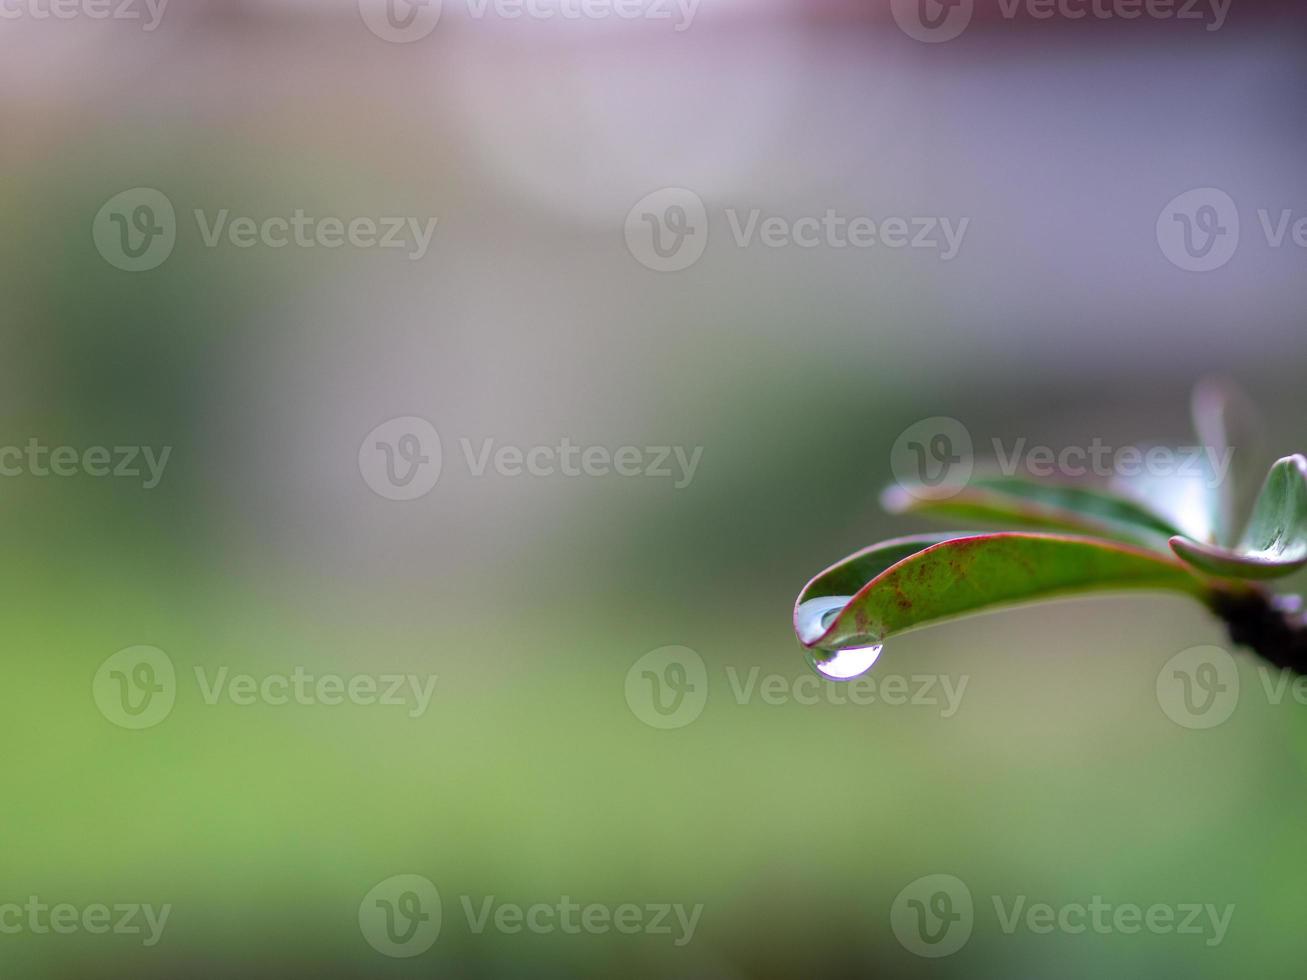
(1297, 460)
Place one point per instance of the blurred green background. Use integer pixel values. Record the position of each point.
(795, 826)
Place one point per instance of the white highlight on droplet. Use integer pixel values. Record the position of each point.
(845, 665)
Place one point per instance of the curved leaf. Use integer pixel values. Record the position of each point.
(974, 574)
(847, 576)
(1275, 542)
(1012, 500)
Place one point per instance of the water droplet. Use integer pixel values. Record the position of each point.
(844, 665)
(813, 618)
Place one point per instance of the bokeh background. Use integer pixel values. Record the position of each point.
(530, 777)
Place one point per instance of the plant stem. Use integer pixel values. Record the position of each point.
(1272, 626)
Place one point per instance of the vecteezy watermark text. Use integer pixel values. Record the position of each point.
(934, 916)
(148, 12)
(669, 688)
(402, 459)
(402, 917)
(1101, 460)
(935, 458)
(136, 231)
(667, 231)
(63, 919)
(934, 21)
(892, 690)
(406, 21)
(136, 688)
(35, 459)
(596, 919)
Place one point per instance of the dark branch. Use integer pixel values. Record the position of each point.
(1271, 626)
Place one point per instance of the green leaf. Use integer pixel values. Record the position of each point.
(970, 574)
(1275, 542)
(1020, 502)
(846, 577)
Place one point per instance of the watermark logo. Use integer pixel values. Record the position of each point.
(932, 21)
(401, 459)
(933, 916)
(933, 458)
(1198, 231)
(400, 21)
(1199, 687)
(135, 231)
(136, 687)
(668, 687)
(667, 231)
(400, 917)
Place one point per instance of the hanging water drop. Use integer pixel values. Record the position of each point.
(811, 621)
(844, 665)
